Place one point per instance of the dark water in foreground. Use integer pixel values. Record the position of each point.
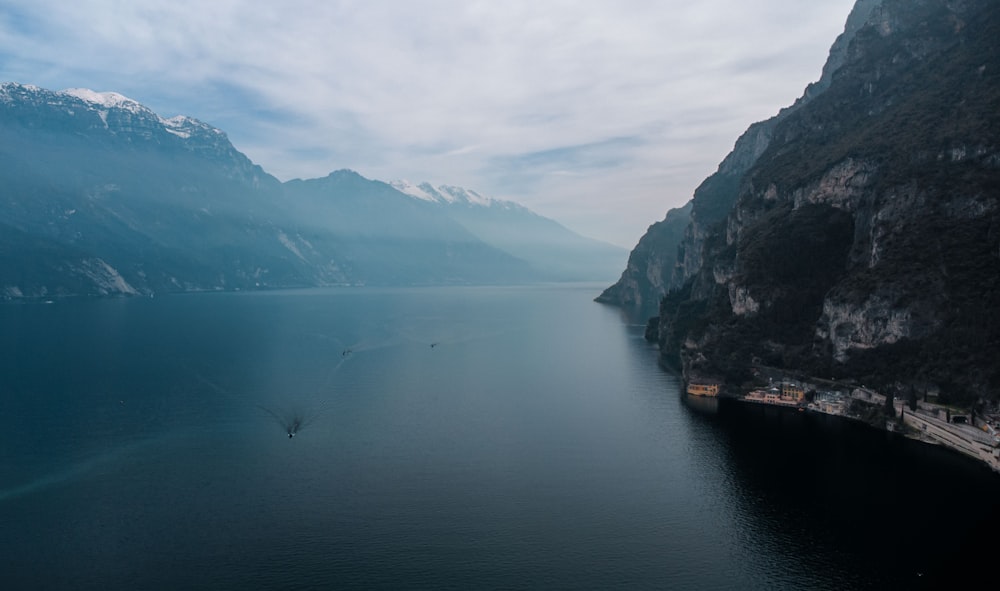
(535, 445)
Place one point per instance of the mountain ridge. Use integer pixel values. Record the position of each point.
(511, 227)
(104, 196)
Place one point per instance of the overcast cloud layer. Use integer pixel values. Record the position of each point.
(600, 114)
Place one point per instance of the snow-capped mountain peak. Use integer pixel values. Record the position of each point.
(422, 191)
(183, 126)
(7, 89)
(87, 114)
(461, 195)
(107, 100)
(450, 195)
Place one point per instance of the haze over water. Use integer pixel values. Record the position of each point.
(452, 438)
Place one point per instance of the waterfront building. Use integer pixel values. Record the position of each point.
(771, 395)
(792, 392)
(830, 402)
(703, 387)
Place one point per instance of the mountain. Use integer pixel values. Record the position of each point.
(860, 237)
(647, 276)
(557, 253)
(393, 239)
(100, 195)
(671, 250)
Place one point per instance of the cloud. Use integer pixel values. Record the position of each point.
(566, 161)
(551, 103)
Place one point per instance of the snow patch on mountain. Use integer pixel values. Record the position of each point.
(183, 126)
(9, 88)
(179, 126)
(461, 195)
(102, 103)
(181, 134)
(451, 195)
(108, 100)
(415, 190)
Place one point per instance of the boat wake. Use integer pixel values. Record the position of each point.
(291, 421)
(73, 472)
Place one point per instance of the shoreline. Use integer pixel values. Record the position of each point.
(963, 431)
(918, 427)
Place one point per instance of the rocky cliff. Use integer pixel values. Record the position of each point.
(671, 250)
(860, 236)
(650, 266)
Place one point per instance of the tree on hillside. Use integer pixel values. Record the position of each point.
(890, 401)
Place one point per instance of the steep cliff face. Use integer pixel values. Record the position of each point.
(650, 266)
(665, 256)
(864, 238)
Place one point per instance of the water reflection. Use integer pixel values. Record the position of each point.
(832, 503)
(707, 405)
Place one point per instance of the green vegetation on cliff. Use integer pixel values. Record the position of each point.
(865, 241)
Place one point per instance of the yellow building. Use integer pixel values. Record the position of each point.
(770, 396)
(792, 391)
(703, 387)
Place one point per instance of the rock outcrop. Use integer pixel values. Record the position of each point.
(650, 267)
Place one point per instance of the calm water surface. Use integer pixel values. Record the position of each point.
(536, 444)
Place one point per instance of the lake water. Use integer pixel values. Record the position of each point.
(452, 438)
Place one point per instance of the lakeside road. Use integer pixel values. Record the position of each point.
(927, 427)
(946, 434)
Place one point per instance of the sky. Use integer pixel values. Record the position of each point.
(601, 114)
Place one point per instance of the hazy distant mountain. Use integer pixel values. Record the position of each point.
(100, 195)
(393, 239)
(555, 251)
